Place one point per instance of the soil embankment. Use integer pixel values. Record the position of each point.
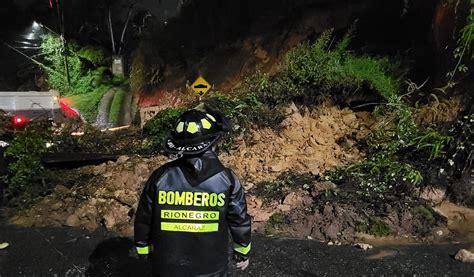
(308, 141)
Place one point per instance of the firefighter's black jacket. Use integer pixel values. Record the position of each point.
(185, 212)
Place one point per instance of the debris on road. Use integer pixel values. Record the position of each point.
(363, 246)
(464, 256)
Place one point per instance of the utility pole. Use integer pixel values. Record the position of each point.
(60, 12)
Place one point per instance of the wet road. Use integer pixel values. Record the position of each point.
(74, 252)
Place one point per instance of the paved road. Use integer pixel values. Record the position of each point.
(74, 252)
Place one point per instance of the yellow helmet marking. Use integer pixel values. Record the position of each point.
(206, 124)
(211, 117)
(192, 127)
(180, 127)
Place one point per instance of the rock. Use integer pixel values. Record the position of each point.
(293, 200)
(141, 170)
(349, 119)
(56, 206)
(125, 198)
(328, 211)
(330, 231)
(284, 208)
(254, 202)
(321, 187)
(256, 136)
(313, 168)
(291, 109)
(289, 150)
(434, 195)
(248, 186)
(115, 215)
(464, 256)
(87, 212)
(276, 166)
(363, 246)
(61, 189)
(99, 169)
(122, 159)
(260, 215)
(89, 225)
(293, 134)
(72, 221)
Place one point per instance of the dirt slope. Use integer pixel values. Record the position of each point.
(309, 141)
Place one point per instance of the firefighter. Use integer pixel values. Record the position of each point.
(189, 205)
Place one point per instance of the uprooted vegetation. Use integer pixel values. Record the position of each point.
(312, 166)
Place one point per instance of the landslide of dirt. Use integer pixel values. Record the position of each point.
(308, 141)
(109, 199)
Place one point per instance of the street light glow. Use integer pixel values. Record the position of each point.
(36, 25)
(30, 36)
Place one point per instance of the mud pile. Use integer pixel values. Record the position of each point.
(109, 199)
(308, 141)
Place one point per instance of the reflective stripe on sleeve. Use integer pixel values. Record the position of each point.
(143, 250)
(242, 249)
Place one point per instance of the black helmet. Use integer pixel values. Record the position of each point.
(193, 133)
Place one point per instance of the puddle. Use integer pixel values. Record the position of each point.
(460, 222)
(383, 254)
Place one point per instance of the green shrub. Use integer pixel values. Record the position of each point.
(389, 170)
(26, 168)
(374, 226)
(335, 71)
(92, 54)
(379, 178)
(274, 223)
(284, 184)
(88, 77)
(242, 110)
(158, 127)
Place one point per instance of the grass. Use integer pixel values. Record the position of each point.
(88, 104)
(334, 70)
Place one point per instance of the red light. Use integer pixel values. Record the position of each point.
(19, 120)
(68, 111)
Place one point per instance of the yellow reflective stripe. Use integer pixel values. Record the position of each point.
(180, 127)
(143, 250)
(192, 127)
(189, 227)
(211, 117)
(206, 124)
(242, 249)
(189, 215)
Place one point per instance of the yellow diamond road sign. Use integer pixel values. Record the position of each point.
(201, 86)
